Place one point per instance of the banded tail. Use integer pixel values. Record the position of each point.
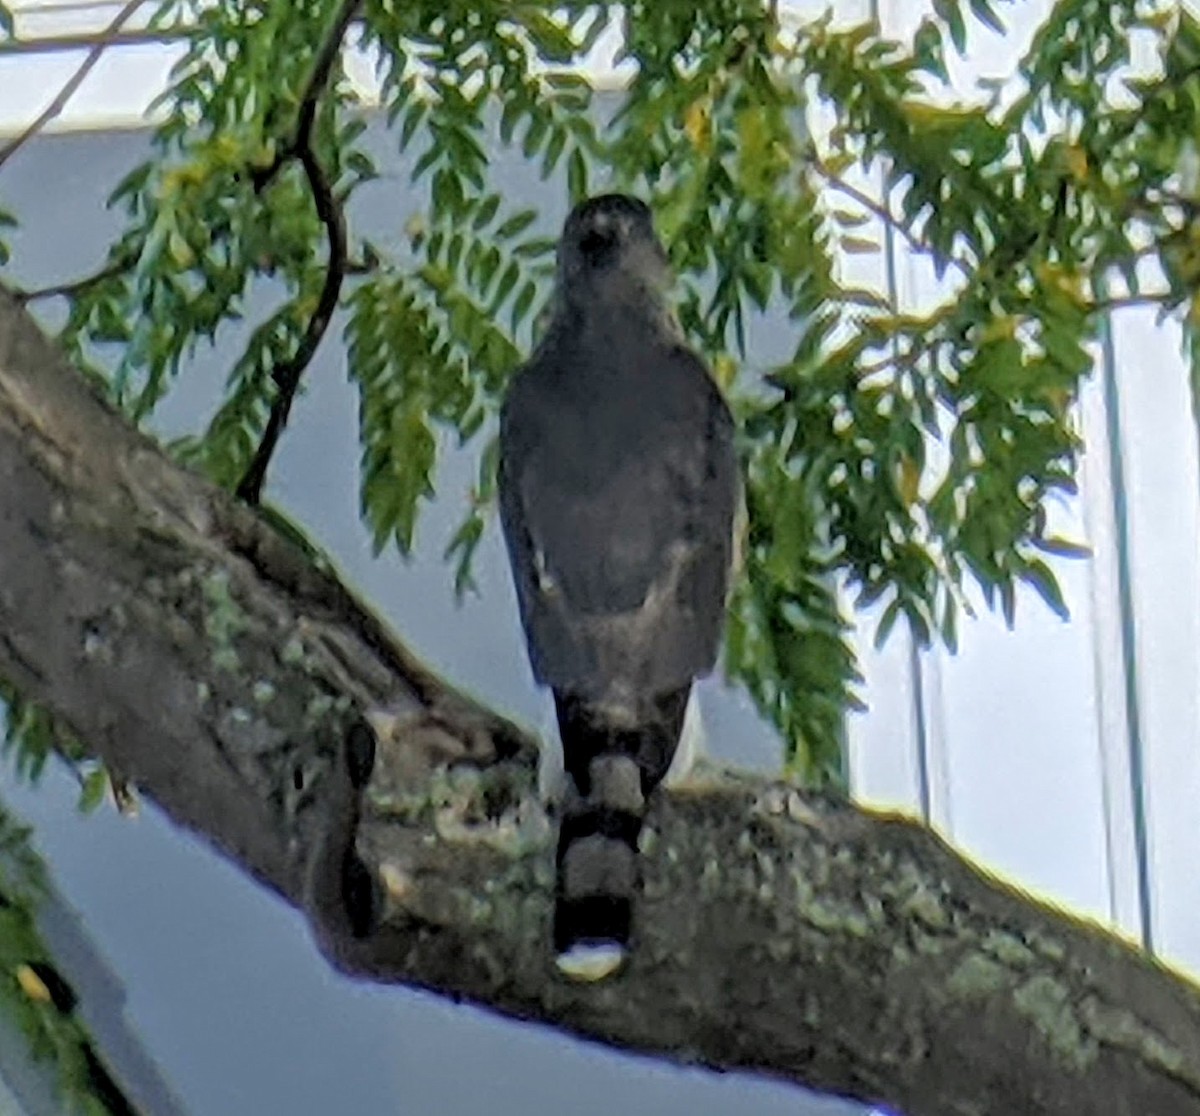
(613, 761)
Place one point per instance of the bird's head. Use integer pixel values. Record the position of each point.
(609, 249)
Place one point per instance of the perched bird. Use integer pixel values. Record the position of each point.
(618, 486)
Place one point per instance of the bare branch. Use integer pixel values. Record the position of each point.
(363, 265)
(887, 217)
(73, 83)
(287, 378)
(1164, 300)
(73, 287)
(320, 75)
(307, 117)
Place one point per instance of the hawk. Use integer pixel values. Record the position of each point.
(618, 484)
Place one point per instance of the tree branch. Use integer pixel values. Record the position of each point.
(1163, 300)
(884, 214)
(74, 287)
(288, 377)
(73, 83)
(319, 79)
(257, 702)
(365, 265)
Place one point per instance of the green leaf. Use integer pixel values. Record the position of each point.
(461, 548)
(92, 790)
(1062, 547)
(362, 165)
(1008, 600)
(949, 627)
(508, 280)
(535, 134)
(554, 150)
(539, 246)
(1038, 575)
(985, 13)
(522, 305)
(928, 52)
(7, 220)
(32, 735)
(577, 176)
(950, 12)
(516, 224)
(432, 154)
(858, 246)
(486, 211)
(887, 622)
(414, 117)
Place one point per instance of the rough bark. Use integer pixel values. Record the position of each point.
(232, 681)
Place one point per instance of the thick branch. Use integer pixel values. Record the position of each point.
(73, 82)
(166, 625)
(287, 378)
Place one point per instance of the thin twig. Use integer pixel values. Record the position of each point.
(885, 215)
(1164, 300)
(306, 119)
(365, 265)
(319, 78)
(73, 82)
(74, 286)
(287, 377)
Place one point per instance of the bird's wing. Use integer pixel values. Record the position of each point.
(618, 512)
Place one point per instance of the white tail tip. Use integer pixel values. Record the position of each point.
(591, 961)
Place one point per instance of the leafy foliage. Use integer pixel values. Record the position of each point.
(32, 735)
(32, 993)
(897, 459)
(7, 221)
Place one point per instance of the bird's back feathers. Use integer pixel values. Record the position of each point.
(618, 482)
(617, 489)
